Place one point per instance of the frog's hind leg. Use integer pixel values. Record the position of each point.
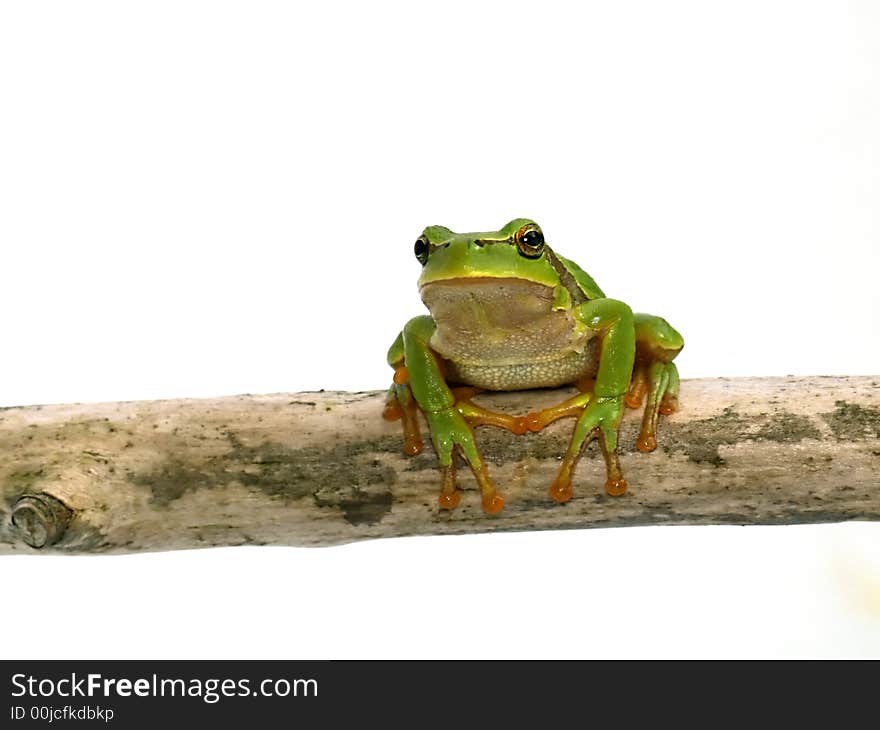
(400, 405)
(574, 406)
(638, 386)
(669, 401)
(654, 375)
(476, 415)
(662, 376)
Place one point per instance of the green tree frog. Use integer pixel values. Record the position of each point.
(509, 313)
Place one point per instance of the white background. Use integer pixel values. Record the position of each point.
(200, 199)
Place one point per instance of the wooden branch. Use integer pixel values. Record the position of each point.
(324, 468)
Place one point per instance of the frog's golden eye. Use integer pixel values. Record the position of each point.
(530, 241)
(422, 249)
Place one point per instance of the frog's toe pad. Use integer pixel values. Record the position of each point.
(668, 406)
(616, 487)
(401, 375)
(393, 411)
(492, 505)
(449, 500)
(646, 444)
(413, 446)
(561, 491)
(632, 400)
(533, 422)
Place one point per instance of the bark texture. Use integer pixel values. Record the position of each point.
(324, 468)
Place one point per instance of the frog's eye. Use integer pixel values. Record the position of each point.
(422, 249)
(530, 242)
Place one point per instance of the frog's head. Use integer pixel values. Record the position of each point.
(516, 251)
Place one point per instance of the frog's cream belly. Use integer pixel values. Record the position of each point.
(503, 334)
(537, 374)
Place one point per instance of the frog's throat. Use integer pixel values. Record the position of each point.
(494, 321)
(451, 297)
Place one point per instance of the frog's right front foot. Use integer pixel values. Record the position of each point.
(450, 432)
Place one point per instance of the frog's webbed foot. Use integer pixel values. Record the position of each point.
(450, 495)
(460, 435)
(662, 398)
(638, 387)
(400, 405)
(600, 419)
(450, 432)
(654, 375)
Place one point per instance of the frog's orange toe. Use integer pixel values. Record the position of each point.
(646, 443)
(616, 487)
(668, 407)
(401, 375)
(413, 446)
(632, 400)
(392, 412)
(533, 421)
(520, 425)
(493, 505)
(449, 500)
(561, 491)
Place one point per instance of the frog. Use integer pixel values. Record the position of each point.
(508, 313)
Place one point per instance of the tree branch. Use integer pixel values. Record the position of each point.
(324, 468)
